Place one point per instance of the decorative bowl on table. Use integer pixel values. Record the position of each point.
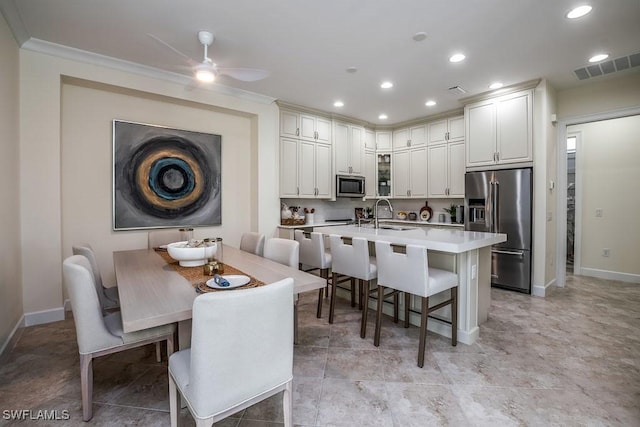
(191, 254)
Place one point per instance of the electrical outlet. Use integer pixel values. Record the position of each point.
(606, 252)
(599, 213)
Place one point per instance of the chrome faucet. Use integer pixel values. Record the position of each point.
(375, 210)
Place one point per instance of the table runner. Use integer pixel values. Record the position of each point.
(197, 278)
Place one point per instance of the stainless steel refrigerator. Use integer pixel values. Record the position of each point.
(500, 201)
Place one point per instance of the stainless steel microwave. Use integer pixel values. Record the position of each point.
(350, 186)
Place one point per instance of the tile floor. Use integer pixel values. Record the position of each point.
(572, 358)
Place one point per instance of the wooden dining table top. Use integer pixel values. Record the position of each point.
(153, 293)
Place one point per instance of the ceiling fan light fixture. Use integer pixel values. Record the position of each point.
(205, 74)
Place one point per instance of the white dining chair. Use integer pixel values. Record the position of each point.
(157, 238)
(410, 273)
(98, 334)
(108, 296)
(252, 242)
(314, 256)
(352, 260)
(241, 353)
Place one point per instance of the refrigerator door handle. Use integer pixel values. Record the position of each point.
(496, 204)
(517, 253)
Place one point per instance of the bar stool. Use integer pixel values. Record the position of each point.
(410, 273)
(354, 261)
(314, 255)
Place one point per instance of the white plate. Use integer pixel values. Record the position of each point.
(425, 216)
(235, 280)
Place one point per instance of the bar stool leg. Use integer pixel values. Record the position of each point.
(376, 338)
(454, 316)
(319, 310)
(407, 306)
(423, 330)
(396, 299)
(365, 310)
(353, 292)
(332, 304)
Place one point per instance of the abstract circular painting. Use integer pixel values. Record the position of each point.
(164, 177)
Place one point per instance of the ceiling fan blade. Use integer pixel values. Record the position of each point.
(190, 61)
(244, 74)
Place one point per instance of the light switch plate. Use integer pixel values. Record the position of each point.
(599, 213)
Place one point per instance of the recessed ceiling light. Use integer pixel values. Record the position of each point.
(496, 85)
(352, 70)
(579, 11)
(338, 104)
(430, 103)
(599, 57)
(386, 85)
(383, 117)
(419, 36)
(457, 57)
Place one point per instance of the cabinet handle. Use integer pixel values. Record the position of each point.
(297, 131)
(498, 156)
(298, 190)
(316, 134)
(408, 143)
(446, 136)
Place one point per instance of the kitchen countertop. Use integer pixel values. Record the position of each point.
(450, 240)
(315, 224)
(423, 223)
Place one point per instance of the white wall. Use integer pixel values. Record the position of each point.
(10, 282)
(54, 181)
(610, 173)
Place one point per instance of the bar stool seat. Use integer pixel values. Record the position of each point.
(354, 261)
(314, 255)
(410, 273)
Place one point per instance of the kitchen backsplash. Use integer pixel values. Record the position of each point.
(345, 208)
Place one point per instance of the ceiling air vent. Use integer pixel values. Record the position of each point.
(608, 67)
(456, 90)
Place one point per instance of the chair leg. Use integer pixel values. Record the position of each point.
(324, 273)
(332, 304)
(158, 353)
(353, 292)
(319, 310)
(287, 404)
(423, 330)
(86, 385)
(454, 316)
(407, 306)
(376, 338)
(174, 398)
(365, 307)
(396, 299)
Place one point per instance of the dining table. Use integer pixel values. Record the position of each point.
(152, 292)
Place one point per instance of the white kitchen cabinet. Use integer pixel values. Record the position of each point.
(369, 139)
(370, 173)
(383, 140)
(305, 126)
(410, 173)
(446, 170)
(288, 167)
(500, 130)
(414, 136)
(349, 146)
(305, 169)
(446, 130)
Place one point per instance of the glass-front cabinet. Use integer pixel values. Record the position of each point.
(384, 175)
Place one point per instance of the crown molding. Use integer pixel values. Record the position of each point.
(529, 84)
(14, 20)
(66, 52)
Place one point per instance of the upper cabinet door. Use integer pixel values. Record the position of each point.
(307, 127)
(418, 167)
(289, 124)
(438, 132)
(400, 172)
(370, 168)
(514, 129)
(369, 139)
(323, 171)
(341, 145)
(455, 128)
(481, 133)
(288, 167)
(306, 171)
(418, 135)
(323, 130)
(400, 139)
(456, 169)
(437, 171)
(383, 140)
(357, 150)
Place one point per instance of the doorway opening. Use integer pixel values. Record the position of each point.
(571, 200)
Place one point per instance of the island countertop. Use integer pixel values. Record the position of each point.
(438, 239)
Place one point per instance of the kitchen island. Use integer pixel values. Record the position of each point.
(466, 253)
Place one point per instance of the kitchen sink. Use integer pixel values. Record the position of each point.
(396, 227)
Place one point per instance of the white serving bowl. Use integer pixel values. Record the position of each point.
(191, 257)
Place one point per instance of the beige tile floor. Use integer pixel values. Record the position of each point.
(572, 358)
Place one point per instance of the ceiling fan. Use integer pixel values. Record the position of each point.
(207, 71)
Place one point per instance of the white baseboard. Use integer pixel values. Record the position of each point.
(610, 275)
(10, 338)
(541, 291)
(44, 316)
